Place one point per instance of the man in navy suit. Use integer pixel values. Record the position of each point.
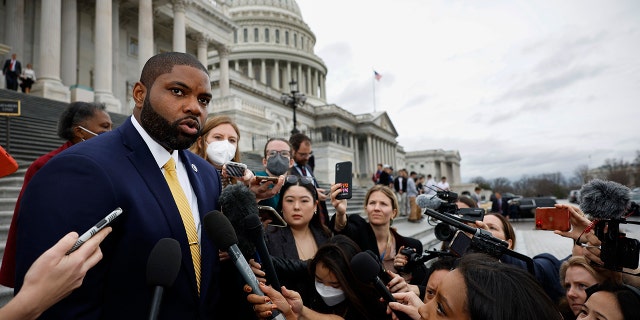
(11, 70)
(123, 168)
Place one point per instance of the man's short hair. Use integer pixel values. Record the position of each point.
(297, 139)
(275, 139)
(163, 63)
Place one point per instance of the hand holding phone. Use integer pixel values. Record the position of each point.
(269, 213)
(552, 218)
(267, 178)
(343, 177)
(95, 229)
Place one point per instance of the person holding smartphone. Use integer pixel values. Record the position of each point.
(376, 234)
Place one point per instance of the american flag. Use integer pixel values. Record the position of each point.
(377, 75)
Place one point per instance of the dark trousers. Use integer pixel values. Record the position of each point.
(12, 80)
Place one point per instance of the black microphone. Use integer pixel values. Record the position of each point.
(366, 270)
(255, 231)
(239, 205)
(237, 202)
(163, 266)
(604, 200)
(220, 231)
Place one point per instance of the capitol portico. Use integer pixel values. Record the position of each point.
(94, 51)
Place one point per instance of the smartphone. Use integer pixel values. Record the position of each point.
(267, 212)
(95, 229)
(552, 218)
(343, 177)
(267, 178)
(235, 169)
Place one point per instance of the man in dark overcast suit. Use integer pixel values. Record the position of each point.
(11, 71)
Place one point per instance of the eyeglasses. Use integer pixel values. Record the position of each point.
(303, 179)
(284, 153)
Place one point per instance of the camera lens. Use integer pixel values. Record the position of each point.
(444, 232)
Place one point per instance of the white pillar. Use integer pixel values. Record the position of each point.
(250, 69)
(371, 163)
(263, 71)
(115, 52)
(308, 82)
(14, 29)
(48, 84)
(203, 48)
(145, 32)
(103, 75)
(276, 76)
(179, 26)
(69, 42)
(223, 53)
(288, 78)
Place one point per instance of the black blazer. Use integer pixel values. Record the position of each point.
(397, 186)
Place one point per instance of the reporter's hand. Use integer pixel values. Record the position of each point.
(397, 283)
(54, 275)
(339, 205)
(407, 302)
(577, 219)
(257, 271)
(265, 190)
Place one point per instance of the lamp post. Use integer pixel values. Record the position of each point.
(292, 100)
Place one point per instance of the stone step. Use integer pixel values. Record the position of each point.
(10, 191)
(8, 204)
(13, 180)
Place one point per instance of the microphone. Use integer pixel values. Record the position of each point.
(237, 202)
(255, 231)
(163, 266)
(366, 270)
(220, 231)
(427, 201)
(604, 200)
(239, 206)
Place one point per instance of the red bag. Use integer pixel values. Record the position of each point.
(8, 164)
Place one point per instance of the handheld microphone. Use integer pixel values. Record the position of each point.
(220, 231)
(255, 231)
(604, 200)
(163, 266)
(366, 270)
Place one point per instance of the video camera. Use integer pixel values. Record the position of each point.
(616, 250)
(445, 203)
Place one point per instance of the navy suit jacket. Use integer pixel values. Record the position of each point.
(78, 187)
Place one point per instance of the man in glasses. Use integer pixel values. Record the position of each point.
(301, 145)
(277, 161)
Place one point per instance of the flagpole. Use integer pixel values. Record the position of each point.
(373, 80)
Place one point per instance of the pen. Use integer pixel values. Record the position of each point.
(101, 224)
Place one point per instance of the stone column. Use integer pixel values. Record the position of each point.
(69, 42)
(103, 60)
(323, 93)
(48, 84)
(115, 52)
(250, 69)
(299, 78)
(371, 163)
(223, 53)
(287, 78)
(14, 30)
(308, 85)
(263, 71)
(179, 26)
(276, 76)
(203, 49)
(145, 32)
(356, 160)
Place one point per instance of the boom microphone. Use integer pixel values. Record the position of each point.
(220, 231)
(604, 200)
(163, 266)
(428, 201)
(237, 202)
(255, 231)
(366, 270)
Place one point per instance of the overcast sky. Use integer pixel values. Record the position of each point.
(517, 87)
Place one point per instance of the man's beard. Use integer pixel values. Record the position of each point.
(166, 134)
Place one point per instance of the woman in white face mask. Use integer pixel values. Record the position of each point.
(218, 143)
(337, 290)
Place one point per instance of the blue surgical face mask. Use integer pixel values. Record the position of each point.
(330, 295)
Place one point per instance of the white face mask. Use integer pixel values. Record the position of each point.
(330, 295)
(221, 152)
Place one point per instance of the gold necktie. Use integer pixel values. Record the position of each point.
(185, 212)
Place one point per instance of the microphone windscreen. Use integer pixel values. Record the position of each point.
(364, 267)
(428, 201)
(219, 229)
(238, 202)
(604, 200)
(164, 263)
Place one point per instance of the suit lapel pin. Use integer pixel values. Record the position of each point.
(193, 166)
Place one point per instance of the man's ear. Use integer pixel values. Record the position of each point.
(139, 94)
(291, 162)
